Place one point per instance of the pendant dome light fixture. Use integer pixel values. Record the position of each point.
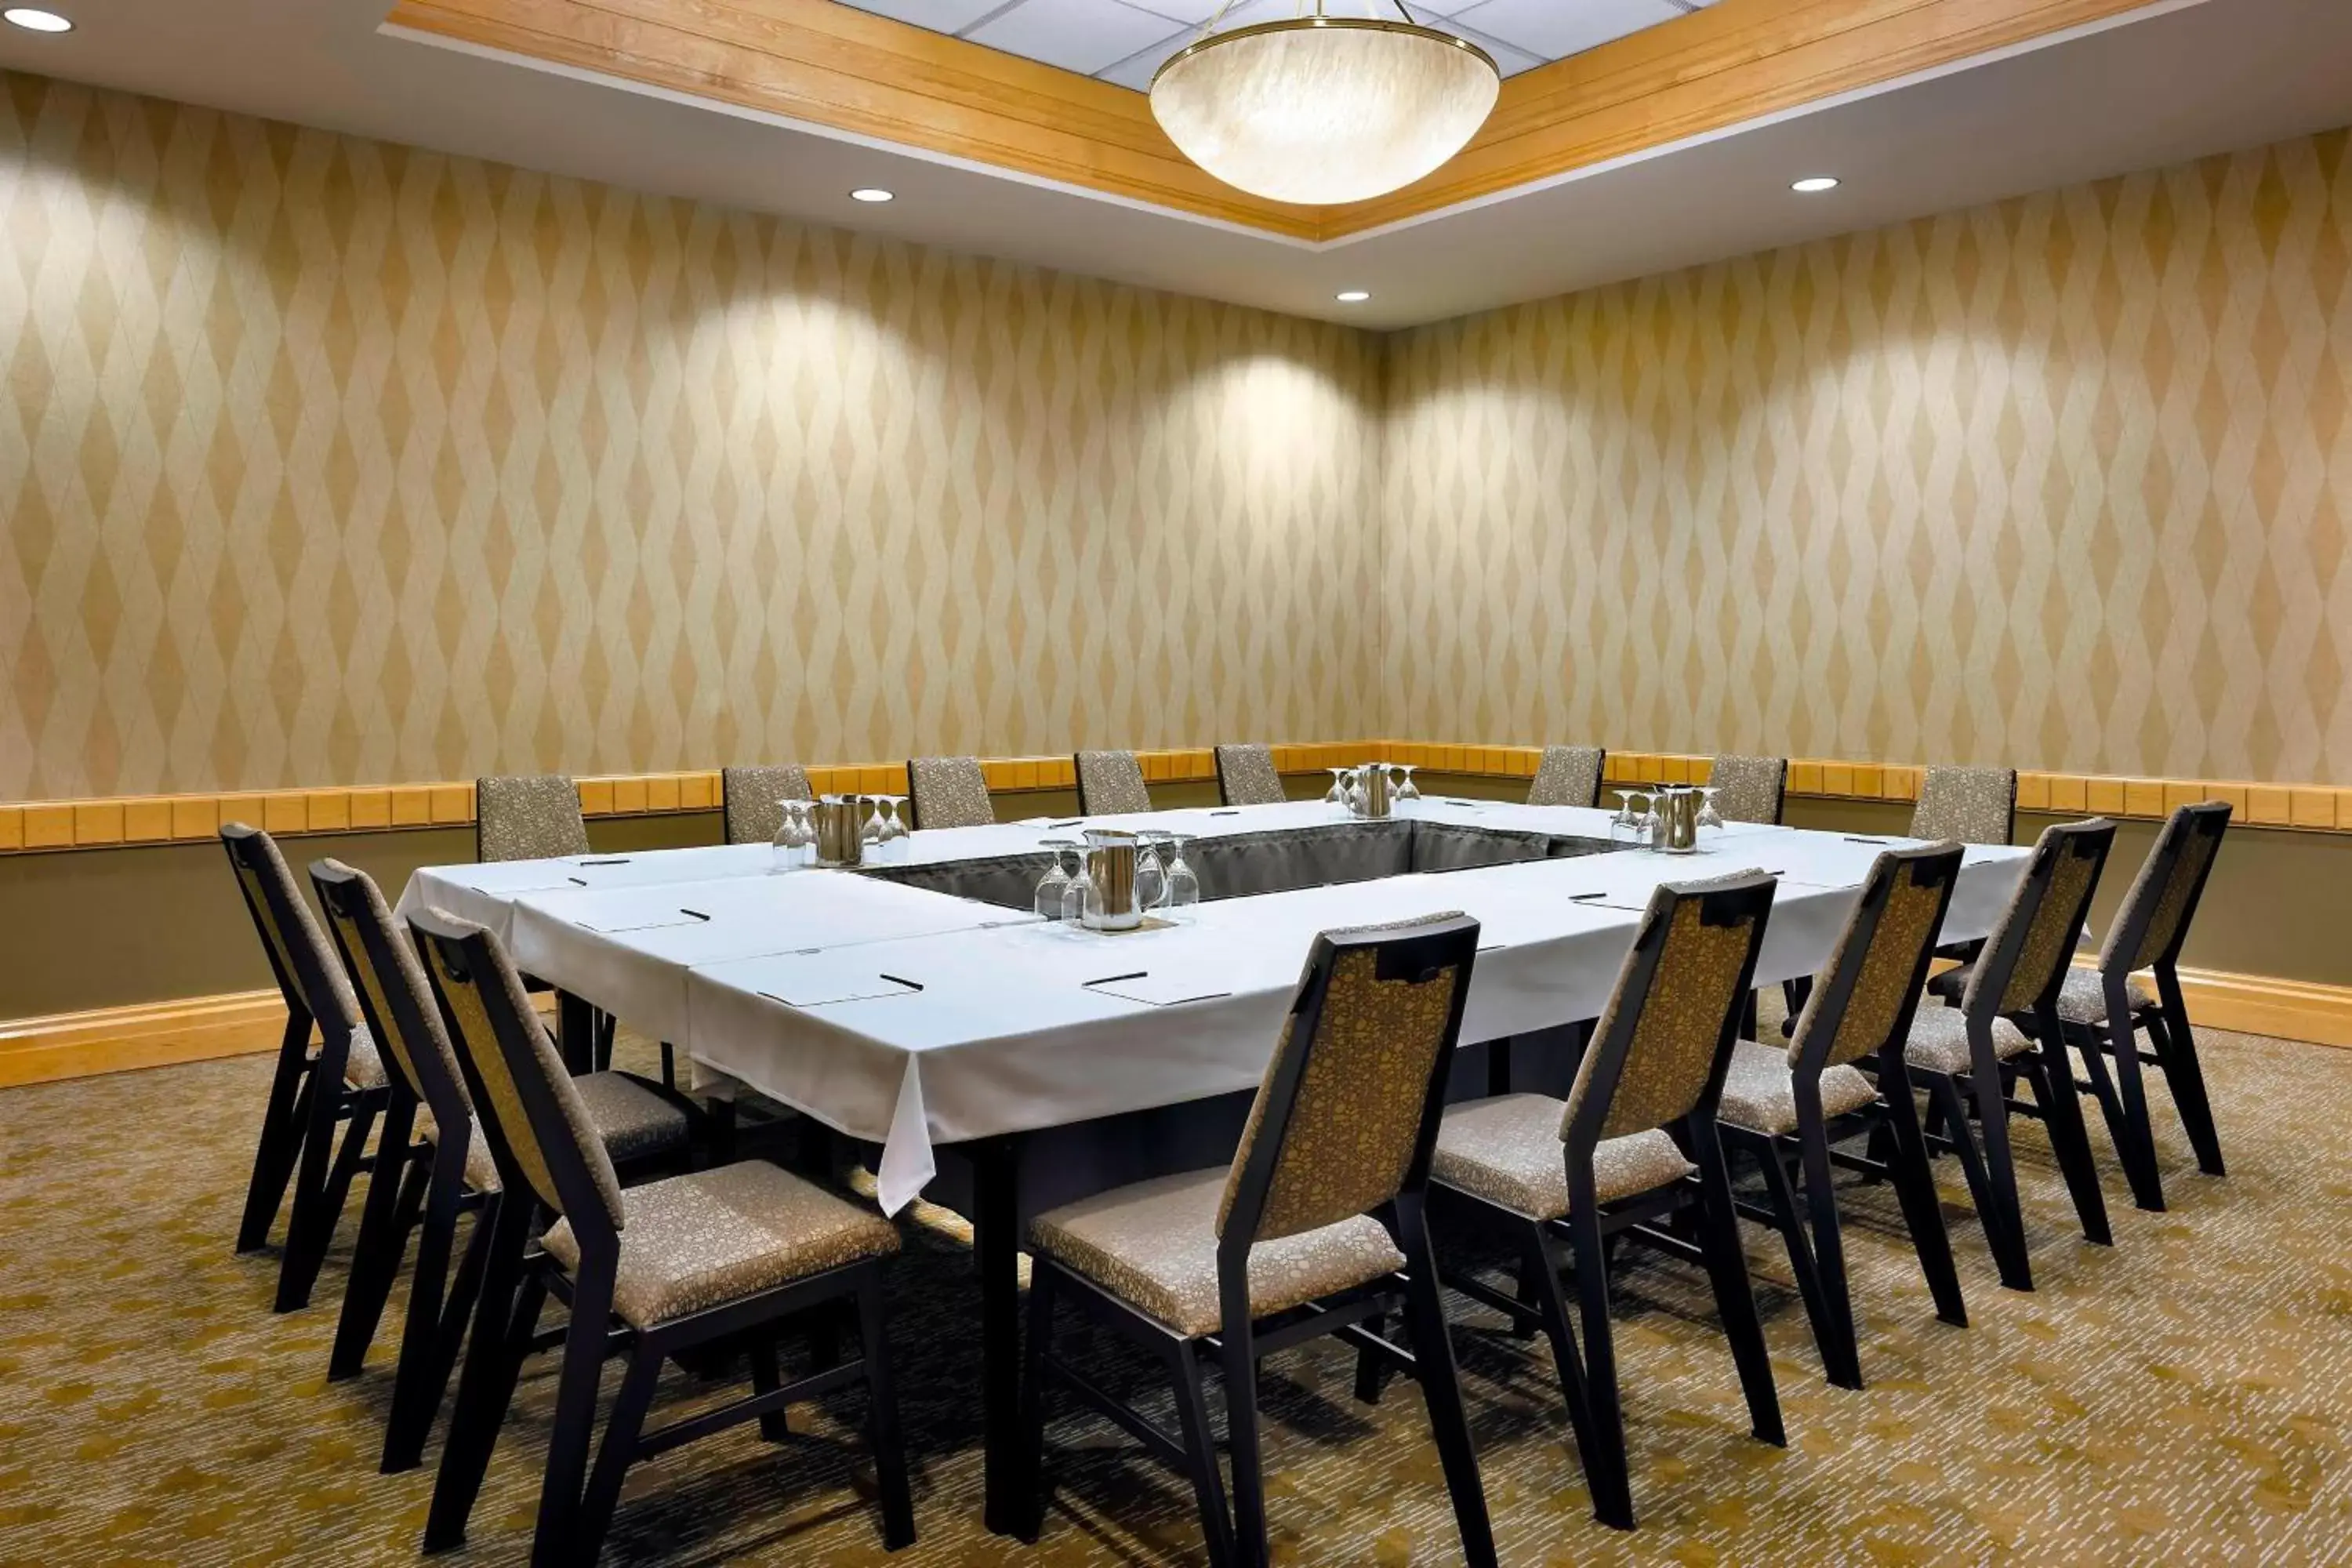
(1320, 110)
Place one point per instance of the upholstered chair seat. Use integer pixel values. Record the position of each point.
(949, 792)
(1760, 1091)
(1939, 1040)
(2081, 998)
(1110, 784)
(753, 796)
(1507, 1151)
(1246, 777)
(1154, 1246)
(693, 1242)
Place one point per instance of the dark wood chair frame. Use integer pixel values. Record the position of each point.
(576, 1502)
(2123, 1100)
(1358, 1318)
(1703, 1227)
(308, 1097)
(1985, 1094)
(1898, 1150)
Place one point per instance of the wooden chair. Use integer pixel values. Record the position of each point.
(1110, 784)
(1246, 777)
(1748, 789)
(2102, 1011)
(528, 817)
(1972, 806)
(948, 791)
(451, 1171)
(655, 1271)
(1633, 1144)
(1791, 1106)
(1568, 775)
(342, 1084)
(1282, 1246)
(1968, 1056)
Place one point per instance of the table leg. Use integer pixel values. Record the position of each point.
(995, 1239)
(575, 1033)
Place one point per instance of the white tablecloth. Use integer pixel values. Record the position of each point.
(913, 1018)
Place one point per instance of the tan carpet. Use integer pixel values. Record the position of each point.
(2182, 1398)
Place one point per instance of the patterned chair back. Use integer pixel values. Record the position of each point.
(948, 791)
(1865, 994)
(1974, 805)
(309, 977)
(1348, 1112)
(1748, 789)
(392, 990)
(1661, 1047)
(1246, 777)
(1568, 775)
(540, 1132)
(750, 795)
(2024, 961)
(2153, 921)
(528, 817)
(1110, 784)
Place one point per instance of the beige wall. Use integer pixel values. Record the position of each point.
(328, 461)
(2061, 482)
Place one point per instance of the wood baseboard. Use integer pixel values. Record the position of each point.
(146, 1035)
(160, 1034)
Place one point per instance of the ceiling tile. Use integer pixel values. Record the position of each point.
(939, 16)
(1509, 60)
(1084, 35)
(1553, 28)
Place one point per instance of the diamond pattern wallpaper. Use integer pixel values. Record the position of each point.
(2058, 482)
(328, 461)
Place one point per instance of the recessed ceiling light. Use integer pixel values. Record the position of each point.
(872, 193)
(1353, 296)
(34, 21)
(1814, 184)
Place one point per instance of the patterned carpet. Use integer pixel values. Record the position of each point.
(2184, 1398)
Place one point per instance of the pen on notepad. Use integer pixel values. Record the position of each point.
(608, 860)
(1114, 979)
(910, 985)
(1858, 839)
(698, 914)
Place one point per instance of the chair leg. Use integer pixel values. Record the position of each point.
(1553, 1304)
(1833, 1324)
(1608, 1471)
(766, 1379)
(502, 1328)
(1727, 1265)
(311, 1226)
(424, 1376)
(1371, 1368)
(1251, 1547)
(2176, 1050)
(669, 1065)
(395, 1191)
(1201, 1454)
(1997, 1210)
(561, 1488)
(1829, 1249)
(622, 1429)
(283, 1119)
(2062, 1113)
(882, 1417)
(2136, 1136)
(1915, 1186)
(1441, 1387)
(1034, 1347)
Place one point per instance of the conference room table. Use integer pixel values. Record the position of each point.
(1047, 1062)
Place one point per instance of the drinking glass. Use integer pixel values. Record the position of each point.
(1632, 826)
(872, 832)
(1151, 877)
(1075, 894)
(788, 840)
(1707, 815)
(1053, 888)
(892, 841)
(1338, 793)
(1183, 886)
(1354, 800)
(1408, 790)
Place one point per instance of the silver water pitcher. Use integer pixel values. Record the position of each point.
(840, 821)
(1675, 812)
(1375, 786)
(1111, 901)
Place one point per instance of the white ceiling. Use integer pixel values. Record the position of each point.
(1123, 41)
(2177, 80)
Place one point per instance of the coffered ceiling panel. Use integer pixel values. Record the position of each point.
(1124, 41)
